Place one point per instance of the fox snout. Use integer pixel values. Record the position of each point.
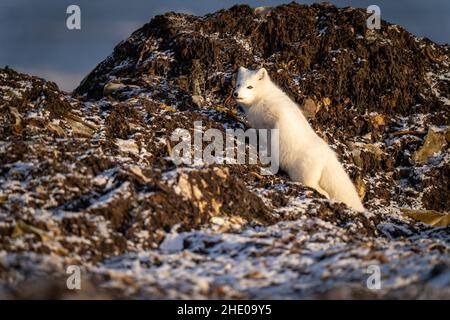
(236, 94)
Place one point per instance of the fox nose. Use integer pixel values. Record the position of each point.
(235, 94)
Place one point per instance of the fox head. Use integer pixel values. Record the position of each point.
(248, 85)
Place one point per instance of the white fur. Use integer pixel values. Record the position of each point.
(303, 154)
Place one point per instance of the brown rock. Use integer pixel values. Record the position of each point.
(310, 108)
(434, 142)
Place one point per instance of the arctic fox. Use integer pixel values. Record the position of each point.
(302, 153)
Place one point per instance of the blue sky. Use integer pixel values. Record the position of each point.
(34, 38)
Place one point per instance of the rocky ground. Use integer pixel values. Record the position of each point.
(87, 178)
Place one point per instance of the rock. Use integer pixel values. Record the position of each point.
(111, 87)
(198, 100)
(17, 127)
(56, 129)
(431, 217)
(434, 142)
(80, 127)
(326, 101)
(262, 11)
(24, 228)
(216, 192)
(127, 146)
(373, 149)
(137, 171)
(378, 121)
(167, 107)
(310, 108)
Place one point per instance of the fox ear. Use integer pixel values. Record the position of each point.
(262, 73)
(241, 70)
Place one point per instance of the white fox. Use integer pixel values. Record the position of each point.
(302, 153)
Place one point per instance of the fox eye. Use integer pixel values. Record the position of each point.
(249, 87)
